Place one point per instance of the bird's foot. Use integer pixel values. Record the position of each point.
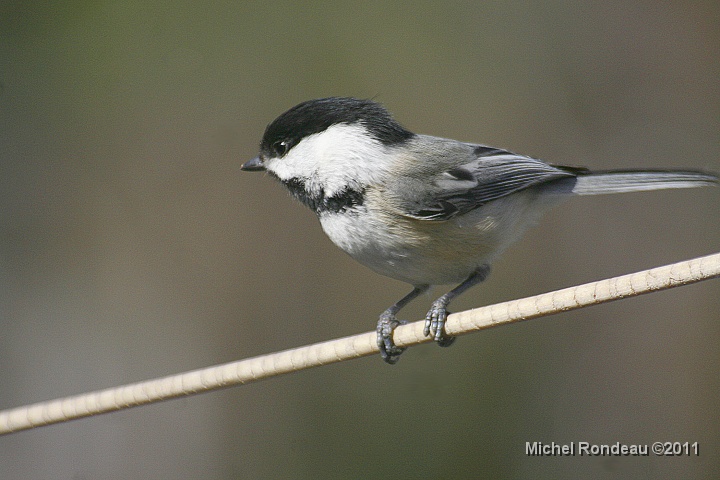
(435, 323)
(385, 327)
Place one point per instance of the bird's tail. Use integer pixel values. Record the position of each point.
(620, 181)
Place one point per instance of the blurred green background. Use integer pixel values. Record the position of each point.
(133, 247)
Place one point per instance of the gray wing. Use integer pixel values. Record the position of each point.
(492, 174)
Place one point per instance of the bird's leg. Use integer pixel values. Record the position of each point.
(435, 318)
(388, 322)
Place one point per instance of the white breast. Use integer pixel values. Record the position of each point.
(433, 252)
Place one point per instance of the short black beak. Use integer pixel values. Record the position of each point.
(254, 165)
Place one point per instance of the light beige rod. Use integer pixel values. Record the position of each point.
(265, 366)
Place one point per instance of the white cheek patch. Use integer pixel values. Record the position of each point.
(341, 157)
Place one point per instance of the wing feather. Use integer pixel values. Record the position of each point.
(492, 174)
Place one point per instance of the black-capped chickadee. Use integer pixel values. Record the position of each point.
(422, 209)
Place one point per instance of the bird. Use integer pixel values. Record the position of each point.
(422, 209)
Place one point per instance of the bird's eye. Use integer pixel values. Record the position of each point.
(281, 147)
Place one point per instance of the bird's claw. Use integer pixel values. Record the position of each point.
(385, 327)
(435, 324)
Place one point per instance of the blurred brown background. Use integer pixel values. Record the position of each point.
(133, 247)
